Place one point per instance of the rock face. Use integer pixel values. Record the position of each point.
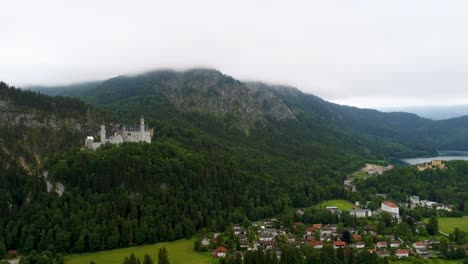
(34, 125)
(214, 93)
(201, 91)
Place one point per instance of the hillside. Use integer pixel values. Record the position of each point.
(33, 127)
(216, 104)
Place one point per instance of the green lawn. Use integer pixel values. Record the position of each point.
(340, 203)
(448, 224)
(180, 252)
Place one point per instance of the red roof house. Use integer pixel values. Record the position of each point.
(338, 244)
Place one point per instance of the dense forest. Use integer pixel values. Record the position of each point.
(145, 193)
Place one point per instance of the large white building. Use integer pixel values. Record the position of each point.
(360, 213)
(141, 133)
(390, 207)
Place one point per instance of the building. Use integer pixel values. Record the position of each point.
(419, 245)
(435, 164)
(220, 252)
(402, 253)
(390, 207)
(338, 244)
(360, 245)
(141, 133)
(381, 244)
(360, 213)
(395, 244)
(383, 253)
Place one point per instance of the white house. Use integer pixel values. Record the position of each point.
(360, 213)
(381, 244)
(390, 207)
(360, 245)
(395, 244)
(419, 245)
(402, 253)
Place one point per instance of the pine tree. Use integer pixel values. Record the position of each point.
(147, 259)
(163, 256)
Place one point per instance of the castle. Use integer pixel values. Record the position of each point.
(140, 133)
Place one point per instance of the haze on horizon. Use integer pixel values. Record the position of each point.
(363, 53)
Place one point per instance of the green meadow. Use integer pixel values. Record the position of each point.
(340, 203)
(180, 252)
(448, 224)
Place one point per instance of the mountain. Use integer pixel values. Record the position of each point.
(432, 112)
(246, 106)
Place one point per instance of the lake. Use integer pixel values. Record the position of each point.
(443, 155)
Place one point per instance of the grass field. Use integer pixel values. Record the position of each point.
(340, 203)
(448, 224)
(180, 252)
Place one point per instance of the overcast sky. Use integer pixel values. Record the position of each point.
(366, 53)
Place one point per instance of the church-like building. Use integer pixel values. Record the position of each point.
(140, 133)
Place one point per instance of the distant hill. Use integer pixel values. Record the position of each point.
(33, 125)
(432, 112)
(223, 105)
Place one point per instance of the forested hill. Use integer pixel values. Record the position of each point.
(221, 106)
(33, 126)
(419, 134)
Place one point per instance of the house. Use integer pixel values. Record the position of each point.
(419, 245)
(339, 244)
(395, 244)
(383, 253)
(381, 244)
(244, 243)
(316, 244)
(268, 244)
(205, 242)
(266, 237)
(333, 209)
(402, 253)
(220, 252)
(357, 238)
(360, 245)
(271, 231)
(390, 207)
(326, 231)
(361, 213)
(238, 230)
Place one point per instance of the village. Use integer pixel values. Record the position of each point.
(378, 232)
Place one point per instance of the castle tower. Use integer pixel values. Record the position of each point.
(103, 134)
(142, 124)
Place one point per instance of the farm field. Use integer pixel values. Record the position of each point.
(180, 252)
(448, 224)
(340, 203)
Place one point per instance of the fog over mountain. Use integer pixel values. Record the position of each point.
(432, 112)
(363, 53)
